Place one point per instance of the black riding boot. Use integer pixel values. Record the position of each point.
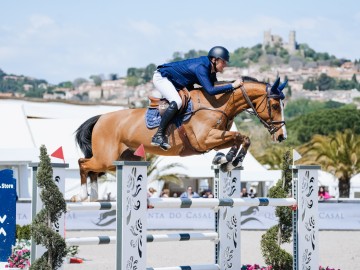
(159, 138)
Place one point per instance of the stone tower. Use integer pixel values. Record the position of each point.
(292, 42)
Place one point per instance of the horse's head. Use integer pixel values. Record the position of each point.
(269, 108)
(274, 114)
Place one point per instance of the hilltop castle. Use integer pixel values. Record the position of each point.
(273, 40)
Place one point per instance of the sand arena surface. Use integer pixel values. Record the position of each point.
(338, 249)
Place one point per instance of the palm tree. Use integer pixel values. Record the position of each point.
(338, 154)
(273, 157)
(161, 173)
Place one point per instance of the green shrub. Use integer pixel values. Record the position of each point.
(23, 232)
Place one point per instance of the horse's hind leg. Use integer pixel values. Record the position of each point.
(94, 192)
(82, 196)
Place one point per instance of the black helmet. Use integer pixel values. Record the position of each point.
(219, 52)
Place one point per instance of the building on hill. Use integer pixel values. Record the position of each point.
(273, 40)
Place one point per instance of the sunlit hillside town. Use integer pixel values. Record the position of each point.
(297, 72)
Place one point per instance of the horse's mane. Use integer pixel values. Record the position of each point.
(244, 78)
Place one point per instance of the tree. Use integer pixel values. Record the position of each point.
(310, 84)
(338, 154)
(323, 122)
(272, 157)
(325, 82)
(41, 227)
(149, 72)
(79, 81)
(66, 84)
(161, 173)
(97, 79)
(271, 241)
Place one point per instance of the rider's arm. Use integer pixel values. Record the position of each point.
(203, 76)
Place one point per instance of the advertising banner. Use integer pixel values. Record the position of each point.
(332, 216)
(7, 213)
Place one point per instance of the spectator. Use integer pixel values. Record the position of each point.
(252, 194)
(244, 193)
(323, 194)
(151, 192)
(208, 193)
(189, 193)
(175, 195)
(165, 193)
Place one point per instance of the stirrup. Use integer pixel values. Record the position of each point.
(161, 141)
(165, 146)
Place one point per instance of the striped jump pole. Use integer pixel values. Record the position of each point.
(94, 240)
(188, 267)
(215, 203)
(171, 237)
(88, 206)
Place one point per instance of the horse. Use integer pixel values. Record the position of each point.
(113, 136)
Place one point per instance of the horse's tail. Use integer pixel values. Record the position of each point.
(83, 135)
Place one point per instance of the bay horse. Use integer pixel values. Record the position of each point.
(116, 135)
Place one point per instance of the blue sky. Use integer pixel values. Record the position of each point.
(64, 40)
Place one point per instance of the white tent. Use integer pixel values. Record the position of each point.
(25, 126)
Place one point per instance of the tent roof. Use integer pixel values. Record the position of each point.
(27, 125)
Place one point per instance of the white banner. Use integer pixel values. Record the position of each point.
(332, 216)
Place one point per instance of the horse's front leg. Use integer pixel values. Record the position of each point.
(220, 139)
(239, 158)
(221, 158)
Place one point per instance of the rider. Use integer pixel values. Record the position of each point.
(171, 77)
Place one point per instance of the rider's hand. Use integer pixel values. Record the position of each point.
(237, 83)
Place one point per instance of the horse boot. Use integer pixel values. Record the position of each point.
(160, 139)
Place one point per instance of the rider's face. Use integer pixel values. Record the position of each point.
(220, 64)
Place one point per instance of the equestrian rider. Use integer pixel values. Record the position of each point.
(171, 77)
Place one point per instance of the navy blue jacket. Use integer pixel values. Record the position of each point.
(191, 71)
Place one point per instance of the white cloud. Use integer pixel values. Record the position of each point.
(145, 28)
(37, 24)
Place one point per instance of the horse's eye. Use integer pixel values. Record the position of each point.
(275, 107)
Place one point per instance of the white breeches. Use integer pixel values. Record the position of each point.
(166, 88)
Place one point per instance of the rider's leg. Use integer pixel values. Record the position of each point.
(160, 139)
(167, 89)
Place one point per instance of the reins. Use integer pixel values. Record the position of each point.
(270, 126)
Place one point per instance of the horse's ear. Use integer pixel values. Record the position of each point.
(282, 86)
(274, 87)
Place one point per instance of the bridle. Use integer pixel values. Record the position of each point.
(270, 125)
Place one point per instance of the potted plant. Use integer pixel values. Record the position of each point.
(20, 256)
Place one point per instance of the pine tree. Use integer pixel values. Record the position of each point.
(279, 234)
(42, 226)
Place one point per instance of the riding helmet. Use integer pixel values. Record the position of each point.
(219, 52)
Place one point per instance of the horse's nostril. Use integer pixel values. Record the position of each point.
(281, 138)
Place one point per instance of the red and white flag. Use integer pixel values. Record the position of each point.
(58, 154)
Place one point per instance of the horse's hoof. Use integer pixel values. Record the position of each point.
(77, 198)
(236, 163)
(226, 167)
(217, 158)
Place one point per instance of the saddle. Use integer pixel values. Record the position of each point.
(162, 103)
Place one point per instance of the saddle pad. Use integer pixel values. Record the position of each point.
(153, 118)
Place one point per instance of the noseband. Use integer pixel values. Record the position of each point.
(270, 125)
